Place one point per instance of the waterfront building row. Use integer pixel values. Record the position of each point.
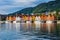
(42, 17)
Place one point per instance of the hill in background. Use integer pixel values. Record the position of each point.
(43, 7)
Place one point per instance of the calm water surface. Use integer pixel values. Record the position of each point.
(29, 31)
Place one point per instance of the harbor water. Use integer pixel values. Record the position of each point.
(29, 31)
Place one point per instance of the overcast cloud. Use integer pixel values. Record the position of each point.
(10, 6)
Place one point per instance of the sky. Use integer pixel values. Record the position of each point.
(10, 6)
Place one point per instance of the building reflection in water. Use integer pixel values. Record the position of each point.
(58, 30)
(37, 26)
(9, 26)
(23, 27)
(36, 29)
(33, 27)
(51, 28)
(43, 28)
(17, 27)
(0, 24)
